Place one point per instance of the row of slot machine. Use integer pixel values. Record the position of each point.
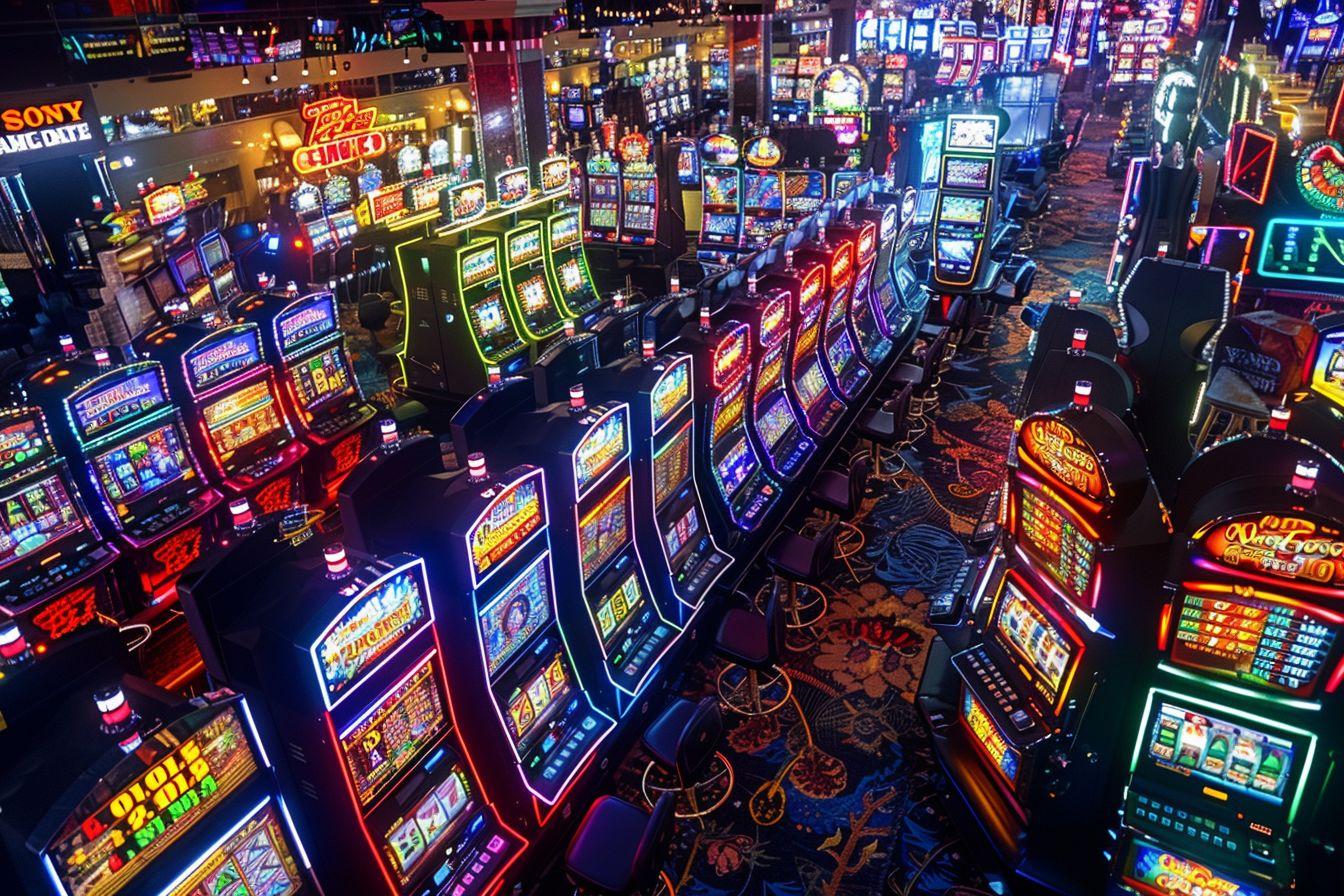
(923, 34)
(418, 709)
(118, 476)
(626, 194)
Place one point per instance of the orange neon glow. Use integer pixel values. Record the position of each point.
(1040, 603)
(1164, 627)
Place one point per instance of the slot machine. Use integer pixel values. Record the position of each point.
(142, 796)
(688, 181)
(529, 290)
(319, 237)
(921, 30)
(868, 328)
(238, 422)
(840, 102)
(567, 267)
(845, 181)
(639, 191)
(323, 397)
(893, 284)
(190, 278)
(947, 63)
(140, 480)
(1028, 693)
(720, 198)
(805, 378)
(1015, 38)
(835, 346)
(574, 114)
(804, 192)
(459, 323)
(602, 204)
(219, 267)
(965, 216)
(54, 563)
(340, 655)
(1231, 780)
(338, 201)
(763, 191)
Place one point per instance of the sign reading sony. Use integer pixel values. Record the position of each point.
(48, 124)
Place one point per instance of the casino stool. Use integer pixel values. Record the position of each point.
(923, 375)
(618, 848)
(886, 430)
(1229, 394)
(837, 499)
(753, 683)
(684, 743)
(798, 562)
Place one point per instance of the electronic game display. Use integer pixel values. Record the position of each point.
(1049, 650)
(240, 419)
(514, 615)
(537, 700)
(671, 465)
(37, 514)
(961, 209)
(255, 858)
(966, 174)
(139, 467)
(1049, 535)
(605, 530)
(1223, 756)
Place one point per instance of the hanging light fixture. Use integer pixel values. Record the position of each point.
(331, 72)
(405, 55)
(274, 75)
(246, 79)
(304, 71)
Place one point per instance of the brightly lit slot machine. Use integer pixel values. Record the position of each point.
(136, 796)
(219, 267)
(639, 191)
(340, 655)
(189, 276)
(838, 353)
(1028, 697)
(1240, 728)
(763, 191)
(306, 204)
(840, 103)
(305, 343)
(867, 320)
(567, 266)
(688, 180)
(54, 564)
(602, 202)
(529, 289)
(932, 132)
(720, 198)
(141, 481)
(239, 424)
(805, 376)
(920, 41)
(338, 201)
(965, 215)
(886, 293)
(480, 281)
(1013, 54)
(804, 192)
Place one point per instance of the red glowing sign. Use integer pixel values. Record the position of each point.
(842, 265)
(731, 354)
(339, 133)
(811, 288)
(1252, 151)
(1286, 547)
(1058, 450)
(165, 204)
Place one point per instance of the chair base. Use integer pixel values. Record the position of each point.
(745, 692)
(802, 615)
(695, 800)
(664, 887)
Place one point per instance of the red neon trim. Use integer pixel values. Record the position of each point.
(1336, 677)
(1218, 588)
(1319, 590)
(354, 801)
(1164, 627)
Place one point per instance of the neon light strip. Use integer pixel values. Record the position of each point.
(1306, 705)
(1204, 563)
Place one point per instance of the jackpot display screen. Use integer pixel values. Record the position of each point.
(221, 358)
(101, 410)
(254, 858)
(1223, 756)
(605, 530)
(517, 613)
(512, 517)
(150, 799)
(601, 449)
(241, 418)
(619, 607)
(971, 132)
(411, 840)
(671, 465)
(1267, 643)
(140, 466)
(321, 378)
(1030, 635)
(36, 514)
(1050, 537)
(536, 699)
(383, 741)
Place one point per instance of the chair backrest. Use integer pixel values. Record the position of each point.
(775, 623)
(933, 357)
(700, 738)
(653, 845)
(860, 466)
(825, 551)
(901, 403)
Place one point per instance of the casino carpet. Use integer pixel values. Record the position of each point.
(838, 794)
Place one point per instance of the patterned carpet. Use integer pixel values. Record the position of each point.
(837, 794)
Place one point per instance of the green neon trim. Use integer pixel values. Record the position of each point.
(1305, 222)
(515, 302)
(406, 303)
(462, 251)
(571, 311)
(1240, 691)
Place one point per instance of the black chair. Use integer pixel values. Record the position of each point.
(753, 683)
(799, 562)
(684, 745)
(924, 376)
(886, 429)
(618, 848)
(837, 498)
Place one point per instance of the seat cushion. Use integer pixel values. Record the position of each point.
(908, 374)
(878, 425)
(742, 638)
(662, 739)
(792, 554)
(601, 855)
(831, 491)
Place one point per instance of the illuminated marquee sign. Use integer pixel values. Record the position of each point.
(1303, 250)
(466, 201)
(512, 517)
(339, 132)
(764, 152)
(1320, 176)
(992, 744)
(810, 291)
(1062, 453)
(633, 148)
(49, 124)
(731, 355)
(164, 204)
(719, 149)
(774, 317)
(600, 449)
(1287, 547)
(554, 175)
(512, 186)
(672, 391)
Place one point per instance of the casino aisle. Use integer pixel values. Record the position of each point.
(838, 793)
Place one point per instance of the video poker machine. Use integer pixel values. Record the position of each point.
(1028, 697)
(567, 266)
(132, 794)
(307, 347)
(341, 657)
(966, 210)
(189, 276)
(1232, 780)
(805, 378)
(238, 423)
(219, 267)
(763, 191)
(526, 719)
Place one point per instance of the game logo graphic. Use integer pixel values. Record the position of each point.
(1060, 451)
(339, 132)
(513, 515)
(991, 743)
(1292, 547)
(605, 444)
(1154, 871)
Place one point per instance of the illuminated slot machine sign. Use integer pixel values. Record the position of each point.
(482, 295)
(639, 188)
(463, 202)
(529, 290)
(809, 381)
(603, 202)
(774, 415)
(191, 280)
(688, 162)
(554, 175)
(513, 187)
(763, 184)
(318, 370)
(734, 461)
(1303, 250)
(841, 356)
(720, 191)
(1320, 176)
(567, 265)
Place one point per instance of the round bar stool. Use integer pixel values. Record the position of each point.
(798, 563)
(886, 431)
(753, 683)
(618, 849)
(684, 743)
(837, 499)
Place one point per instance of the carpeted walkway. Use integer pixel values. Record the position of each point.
(837, 794)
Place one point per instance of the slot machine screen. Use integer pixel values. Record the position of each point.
(1029, 634)
(37, 514)
(971, 132)
(219, 359)
(721, 188)
(774, 422)
(532, 295)
(241, 418)
(576, 116)
(605, 530)
(840, 351)
(683, 532)
(619, 607)
(736, 465)
(688, 165)
(961, 209)
(720, 225)
(488, 316)
(226, 284)
(1050, 537)
(188, 267)
(255, 858)
(571, 276)
(100, 411)
(811, 385)
(1252, 641)
(671, 465)
(396, 729)
(162, 290)
(322, 378)
(514, 615)
(141, 466)
(537, 699)
(848, 129)
(412, 838)
(763, 191)
(956, 254)
(212, 252)
(1218, 757)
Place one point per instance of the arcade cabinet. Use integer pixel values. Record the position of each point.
(763, 191)
(567, 267)
(965, 220)
(720, 199)
(639, 191)
(219, 267)
(867, 322)
(306, 345)
(842, 368)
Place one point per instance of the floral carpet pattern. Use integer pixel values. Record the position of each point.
(837, 793)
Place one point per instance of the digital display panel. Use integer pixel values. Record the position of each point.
(480, 264)
(992, 744)
(1031, 635)
(605, 530)
(141, 466)
(601, 448)
(415, 833)
(117, 401)
(619, 607)
(972, 132)
(321, 378)
(150, 799)
(774, 422)
(1309, 251)
(1059, 546)
(188, 268)
(1155, 871)
(23, 442)
(36, 515)
(513, 515)
(255, 859)
(517, 613)
(530, 703)
(1327, 376)
(386, 738)
(765, 191)
(1226, 755)
(683, 532)
(533, 296)
(672, 391)
(961, 209)
(735, 466)
(966, 174)
(221, 358)
(213, 252)
(811, 385)
(524, 246)
(721, 187)
(564, 230)
(570, 276)
(671, 465)
(241, 418)
(301, 323)
(1253, 640)
(488, 315)
(386, 615)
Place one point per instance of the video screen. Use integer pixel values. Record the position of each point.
(721, 225)
(720, 186)
(811, 385)
(774, 422)
(101, 410)
(683, 532)
(531, 703)
(213, 252)
(188, 268)
(219, 359)
(1228, 756)
(966, 174)
(671, 465)
(256, 859)
(517, 613)
(961, 209)
(322, 378)
(735, 466)
(488, 315)
(1031, 635)
(956, 253)
(840, 352)
(136, 469)
(576, 117)
(242, 418)
(619, 607)
(388, 736)
(765, 191)
(37, 515)
(605, 530)
(532, 295)
(1255, 641)
(311, 319)
(1050, 537)
(988, 739)
(410, 842)
(524, 246)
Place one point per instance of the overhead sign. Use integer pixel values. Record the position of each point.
(339, 132)
(48, 124)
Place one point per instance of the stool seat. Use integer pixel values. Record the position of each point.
(831, 490)
(663, 739)
(878, 424)
(907, 373)
(795, 556)
(744, 638)
(605, 854)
